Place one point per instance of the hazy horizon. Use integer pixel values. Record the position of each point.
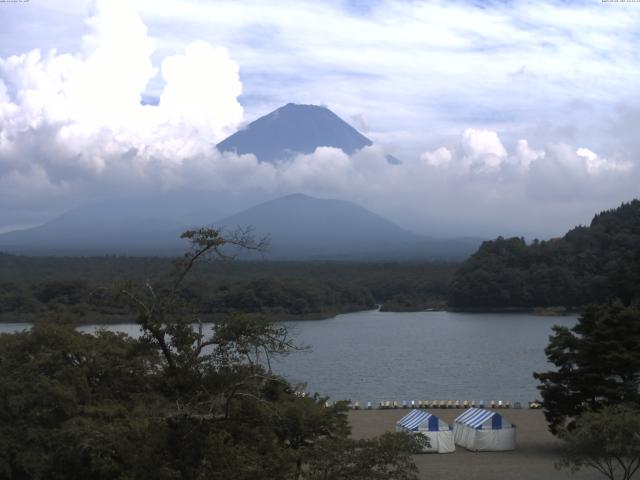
(509, 119)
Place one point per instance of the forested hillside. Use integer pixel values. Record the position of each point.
(86, 288)
(571, 271)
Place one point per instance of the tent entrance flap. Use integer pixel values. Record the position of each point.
(433, 423)
(496, 422)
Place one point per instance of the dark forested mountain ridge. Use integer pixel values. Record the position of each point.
(571, 271)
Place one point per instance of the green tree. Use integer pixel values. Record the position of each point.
(607, 441)
(598, 363)
(184, 401)
(74, 405)
(572, 271)
(625, 281)
(385, 458)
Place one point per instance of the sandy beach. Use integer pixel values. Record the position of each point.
(534, 458)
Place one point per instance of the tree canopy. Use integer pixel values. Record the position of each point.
(597, 360)
(186, 400)
(78, 288)
(607, 441)
(571, 271)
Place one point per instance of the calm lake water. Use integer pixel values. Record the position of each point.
(373, 356)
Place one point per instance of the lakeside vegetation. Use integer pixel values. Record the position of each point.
(548, 277)
(78, 405)
(573, 271)
(175, 403)
(591, 399)
(82, 287)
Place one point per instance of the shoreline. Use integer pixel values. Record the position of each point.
(556, 311)
(114, 319)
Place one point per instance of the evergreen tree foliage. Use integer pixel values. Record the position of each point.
(598, 364)
(571, 271)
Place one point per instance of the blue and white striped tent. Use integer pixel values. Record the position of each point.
(478, 429)
(439, 433)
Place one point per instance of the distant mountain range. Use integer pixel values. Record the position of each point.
(295, 129)
(301, 227)
(133, 225)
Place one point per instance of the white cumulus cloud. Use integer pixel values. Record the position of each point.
(482, 150)
(73, 128)
(596, 164)
(437, 158)
(202, 87)
(93, 99)
(525, 155)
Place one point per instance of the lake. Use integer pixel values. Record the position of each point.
(373, 356)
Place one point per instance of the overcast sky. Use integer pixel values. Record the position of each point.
(509, 117)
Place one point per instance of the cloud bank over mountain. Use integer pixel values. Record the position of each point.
(76, 127)
(72, 123)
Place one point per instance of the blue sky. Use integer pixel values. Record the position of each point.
(451, 88)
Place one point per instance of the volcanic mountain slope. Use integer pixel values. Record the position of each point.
(295, 129)
(300, 228)
(135, 225)
(304, 227)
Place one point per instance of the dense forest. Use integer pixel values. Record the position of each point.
(176, 403)
(572, 271)
(88, 289)
(508, 273)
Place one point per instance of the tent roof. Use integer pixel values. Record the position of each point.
(475, 417)
(415, 418)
